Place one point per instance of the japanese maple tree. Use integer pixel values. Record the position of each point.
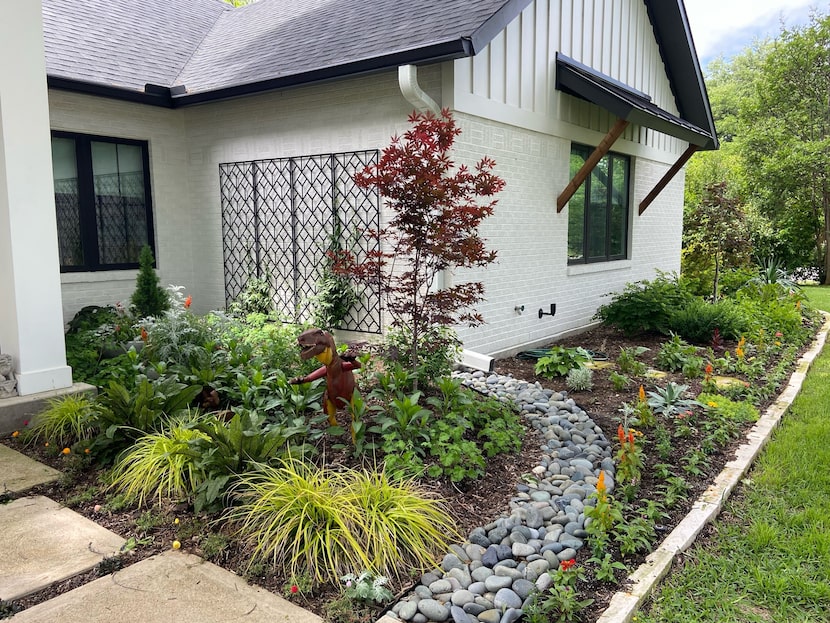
(436, 211)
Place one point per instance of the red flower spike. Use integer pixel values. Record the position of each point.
(188, 301)
(621, 434)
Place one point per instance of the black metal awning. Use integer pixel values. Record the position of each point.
(624, 102)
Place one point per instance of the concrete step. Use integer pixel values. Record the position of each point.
(19, 409)
(174, 587)
(42, 543)
(19, 473)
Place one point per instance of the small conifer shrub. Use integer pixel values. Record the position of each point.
(149, 298)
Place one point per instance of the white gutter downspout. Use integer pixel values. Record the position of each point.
(411, 90)
(414, 94)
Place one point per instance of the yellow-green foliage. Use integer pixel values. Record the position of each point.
(65, 421)
(326, 523)
(736, 411)
(160, 465)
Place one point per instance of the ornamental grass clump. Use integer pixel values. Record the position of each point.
(327, 523)
(65, 421)
(160, 465)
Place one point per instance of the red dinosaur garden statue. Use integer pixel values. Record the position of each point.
(336, 369)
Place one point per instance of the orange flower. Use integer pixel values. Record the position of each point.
(144, 335)
(621, 434)
(87, 450)
(601, 482)
(16, 433)
(631, 438)
(709, 369)
(567, 564)
(642, 394)
(66, 451)
(188, 301)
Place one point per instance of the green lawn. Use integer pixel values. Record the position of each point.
(769, 559)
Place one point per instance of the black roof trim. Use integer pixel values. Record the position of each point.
(432, 54)
(152, 97)
(176, 96)
(497, 22)
(668, 18)
(625, 102)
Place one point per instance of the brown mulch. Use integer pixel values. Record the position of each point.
(472, 504)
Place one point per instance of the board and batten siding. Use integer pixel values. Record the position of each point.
(513, 79)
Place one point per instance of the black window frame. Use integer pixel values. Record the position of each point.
(86, 200)
(585, 151)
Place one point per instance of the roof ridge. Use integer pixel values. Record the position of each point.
(183, 67)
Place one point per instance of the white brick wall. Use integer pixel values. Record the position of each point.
(531, 239)
(187, 146)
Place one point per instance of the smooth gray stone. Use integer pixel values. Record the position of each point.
(461, 575)
(534, 518)
(459, 598)
(490, 616)
(507, 598)
(490, 556)
(544, 582)
(497, 582)
(521, 550)
(482, 573)
(511, 615)
(423, 592)
(460, 554)
(451, 561)
(536, 568)
(408, 610)
(434, 610)
(503, 552)
(508, 572)
(440, 586)
(428, 578)
(459, 616)
(474, 609)
(477, 588)
(567, 554)
(523, 588)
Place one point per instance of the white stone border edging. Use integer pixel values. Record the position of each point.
(624, 604)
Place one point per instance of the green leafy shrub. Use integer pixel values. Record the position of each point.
(732, 410)
(627, 361)
(438, 350)
(619, 381)
(698, 320)
(148, 299)
(323, 522)
(560, 360)
(645, 305)
(256, 297)
(675, 353)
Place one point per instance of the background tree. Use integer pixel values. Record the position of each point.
(785, 142)
(436, 212)
(716, 236)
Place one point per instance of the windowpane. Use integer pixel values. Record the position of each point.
(576, 213)
(598, 211)
(619, 208)
(120, 209)
(67, 204)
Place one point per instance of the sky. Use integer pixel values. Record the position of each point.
(728, 26)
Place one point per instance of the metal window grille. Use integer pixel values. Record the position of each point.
(278, 218)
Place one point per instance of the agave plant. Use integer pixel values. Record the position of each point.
(669, 401)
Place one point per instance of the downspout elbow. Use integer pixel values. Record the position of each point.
(414, 94)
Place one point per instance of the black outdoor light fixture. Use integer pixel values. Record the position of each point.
(552, 311)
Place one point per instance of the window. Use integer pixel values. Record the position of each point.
(102, 200)
(598, 211)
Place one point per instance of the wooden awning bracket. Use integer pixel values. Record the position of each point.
(603, 148)
(669, 175)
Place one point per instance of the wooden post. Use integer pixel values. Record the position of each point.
(583, 173)
(664, 181)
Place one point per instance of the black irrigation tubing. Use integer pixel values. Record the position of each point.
(538, 353)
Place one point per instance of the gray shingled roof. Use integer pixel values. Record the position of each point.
(277, 38)
(125, 43)
(206, 50)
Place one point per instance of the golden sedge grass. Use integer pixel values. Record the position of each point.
(65, 421)
(159, 465)
(326, 523)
